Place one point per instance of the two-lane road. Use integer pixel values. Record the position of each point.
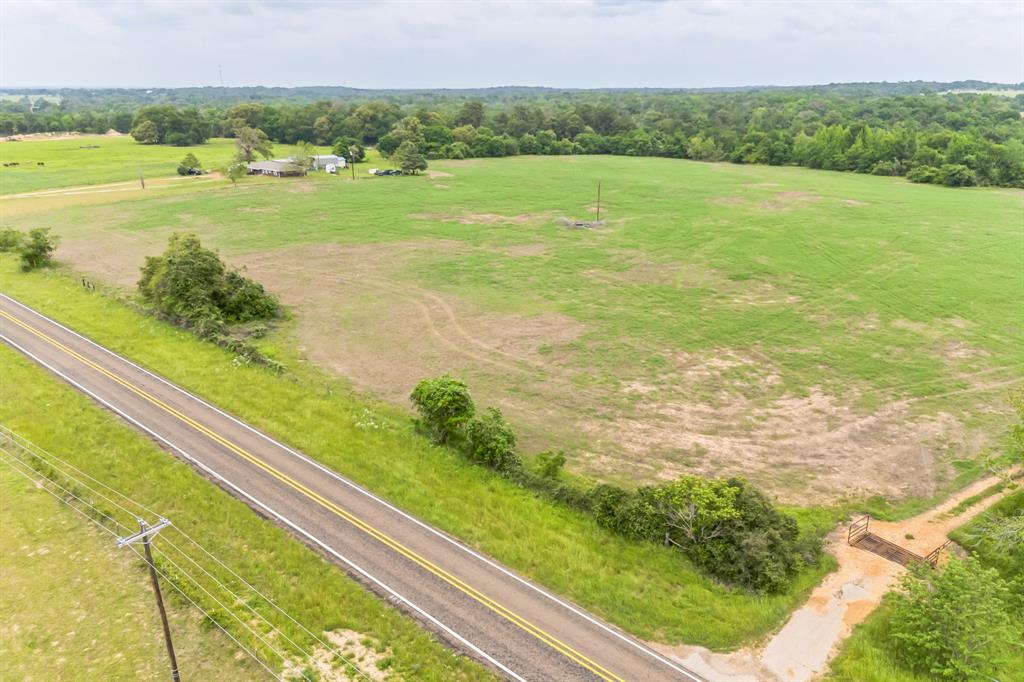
(471, 601)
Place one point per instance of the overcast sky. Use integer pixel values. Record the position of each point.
(382, 44)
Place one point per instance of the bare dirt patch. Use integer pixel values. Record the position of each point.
(728, 201)
(357, 317)
(854, 202)
(784, 200)
(726, 413)
(524, 250)
(434, 174)
(356, 648)
(480, 218)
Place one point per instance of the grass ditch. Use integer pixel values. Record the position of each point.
(106, 631)
(651, 591)
(312, 590)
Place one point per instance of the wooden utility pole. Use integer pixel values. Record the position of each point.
(598, 201)
(145, 536)
(352, 161)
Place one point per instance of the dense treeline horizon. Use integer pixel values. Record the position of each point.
(957, 139)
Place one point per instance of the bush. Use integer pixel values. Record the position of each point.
(490, 441)
(444, 405)
(957, 175)
(191, 284)
(733, 531)
(10, 240)
(631, 514)
(37, 249)
(189, 165)
(550, 464)
(954, 622)
(923, 174)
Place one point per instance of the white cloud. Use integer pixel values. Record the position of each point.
(472, 44)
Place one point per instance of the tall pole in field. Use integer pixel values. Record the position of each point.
(598, 201)
(145, 536)
(352, 160)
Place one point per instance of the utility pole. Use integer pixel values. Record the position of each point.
(352, 161)
(598, 201)
(145, 536)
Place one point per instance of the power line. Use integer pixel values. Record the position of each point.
(7, 460)
(182, 572)
(49, 459)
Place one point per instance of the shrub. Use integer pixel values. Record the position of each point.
(957, 175)
(923, 174)
(490, 441)
(189, 283)
(954, 622)
(10, 240)
(444, 404)
(733, 531)
(633, 514)
(550, 464)
(189, 165)
(37, 249)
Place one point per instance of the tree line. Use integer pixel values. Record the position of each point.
(948, 138)
(726, 526)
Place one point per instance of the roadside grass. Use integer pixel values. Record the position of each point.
(648, 590)
(869, 654)
(76, 607)
(874, 291)
(318, 594)
(98, 159)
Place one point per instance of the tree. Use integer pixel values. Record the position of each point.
(350, 148)
(444, 405)
(146, 133)
(252, 141)
(37, 249)
(235, 172)
(490, 441)
(953, 622)
(957, 175)
(471, 113)
(191, 284)
(189, 165)
(304, 153)
(698, 508)
(409, 158)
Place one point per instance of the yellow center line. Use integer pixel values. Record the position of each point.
(455, 582)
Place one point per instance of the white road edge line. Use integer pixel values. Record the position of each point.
(270, 511)
(650, 652)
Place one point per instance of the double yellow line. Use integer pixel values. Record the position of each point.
(390, 542)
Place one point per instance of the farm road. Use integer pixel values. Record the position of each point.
(470, 601)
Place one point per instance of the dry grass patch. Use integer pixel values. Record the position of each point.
(479, 218)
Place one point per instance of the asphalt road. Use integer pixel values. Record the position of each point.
(470, 601)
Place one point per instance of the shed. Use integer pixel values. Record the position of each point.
(321, 161)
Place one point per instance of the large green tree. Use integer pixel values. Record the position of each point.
(409, 158)
(252, 141)
(954, 622)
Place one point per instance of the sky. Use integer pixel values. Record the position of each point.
(585, 44)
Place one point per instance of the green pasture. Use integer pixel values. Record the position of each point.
(869, 289)
(647, 589)
(98, 159)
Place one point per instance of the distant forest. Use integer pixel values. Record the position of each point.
(959, 134)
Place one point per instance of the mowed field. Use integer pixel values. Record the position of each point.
(827, 335)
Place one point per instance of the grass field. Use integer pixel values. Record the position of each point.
(649, 590)
(99, 159)
(830, 336)
(313, 591)
(77, 608)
